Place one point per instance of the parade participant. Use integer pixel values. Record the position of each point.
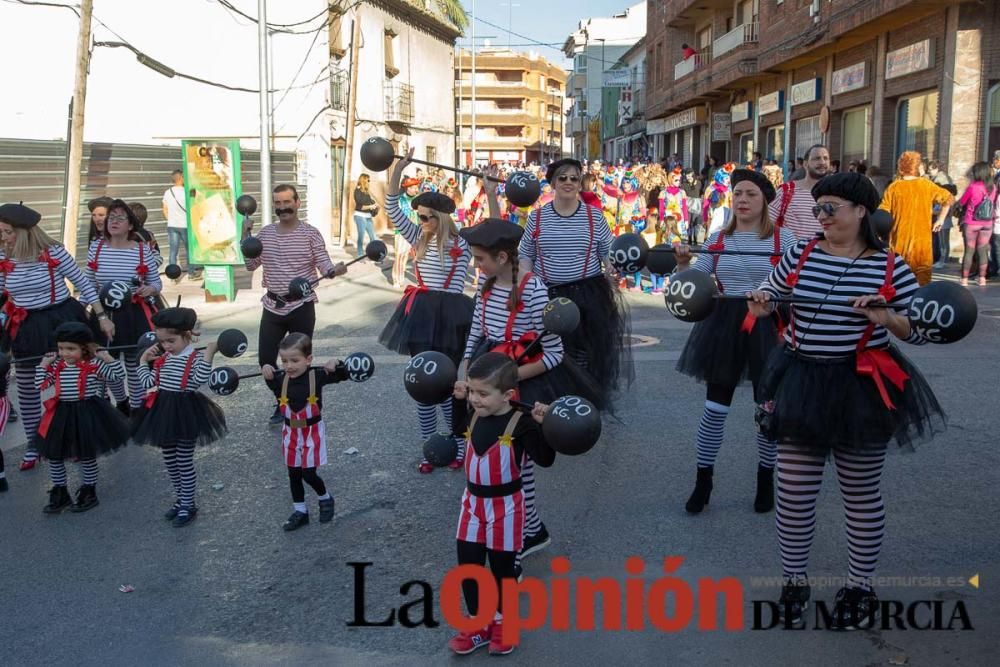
(491, 522)
(792, 208)
(141, 214)
(718, 200)
(842, 353)
(730, 347)
(299, 391)
(434, 314)
(631, 217)
(292, 249)
(673, 204)
(610, 195)
(98, 208)
(400, 246)
(693, 199)
(567, 247)
(909, 200)
(978, 204)
(34, 274)
(175, 416)
(120, 254)
(78, 423)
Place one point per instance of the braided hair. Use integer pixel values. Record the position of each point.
(514, 299)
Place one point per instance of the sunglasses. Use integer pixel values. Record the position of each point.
(425, 218)
(829, 209)
(571, 179)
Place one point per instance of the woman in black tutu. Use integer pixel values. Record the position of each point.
(120, 254)
(78, 422)
(566, 243)
(507, 318)
(34, 274)
(434, 314)
(729, 346)
(175, 415)
(839, 388)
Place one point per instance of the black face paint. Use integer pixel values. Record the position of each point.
(282, 211)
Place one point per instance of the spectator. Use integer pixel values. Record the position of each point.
(978, 204)
(141, 215)
(687, 51)
(800, 170)
(758, 162)
(942, 240)
(878, 179)
(98, 212)
(708, 170)
(835, 167)
(365, 210)
(175, 212)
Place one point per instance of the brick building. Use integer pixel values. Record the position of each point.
(870, 78)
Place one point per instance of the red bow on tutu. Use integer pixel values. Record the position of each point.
(410, 293)
(516, 348)
(879, 365)
(15, 315)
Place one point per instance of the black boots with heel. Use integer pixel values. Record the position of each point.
(702, 491)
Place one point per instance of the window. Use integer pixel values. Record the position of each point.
(855, 134)
(390, 53)
(993, 129)
(806, 134)
(774, 144)
(336, 36)
(916, 125)
(704, 39)
(660, 74)
(431, 154)
(580, 62)
(746, 149)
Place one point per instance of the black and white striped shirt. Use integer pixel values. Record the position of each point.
(738, 274)
(120, 264)
(69, 378)
(172, 372)
(30, 286)
(564, 251)
(493, 324)
(433, 268)
(831, 330)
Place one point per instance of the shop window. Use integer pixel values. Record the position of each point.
(745, 156)
(807, 134)
(916, 125)
(855, 135)
(993, 129)
(774, 144)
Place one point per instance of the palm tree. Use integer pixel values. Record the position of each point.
(455, 12)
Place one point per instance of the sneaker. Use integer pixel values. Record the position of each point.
(657, 290)
(497, 647)
(295, 521)
(465, 643)
(171, 513)
(425, 468)
(27, 464)
(185, 515)
(58, 500)
(793, 603)
(964, 282)
(4, 486)
(981, 281)
(456, 465)
(86, 498)
(855, 609)
(536, 542)
(326, 510)
(276, 418)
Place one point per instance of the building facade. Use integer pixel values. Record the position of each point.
(519, 100)
(623, 121)
(870, 78)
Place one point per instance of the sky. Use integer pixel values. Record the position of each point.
(549, 21)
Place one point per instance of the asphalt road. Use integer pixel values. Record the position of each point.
(234, 589)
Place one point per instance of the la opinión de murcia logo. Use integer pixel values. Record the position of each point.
(667, 604)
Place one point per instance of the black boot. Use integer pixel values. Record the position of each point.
(86, 498)
(326, 510)
(702, 491)
(58, 500)
(764, 501)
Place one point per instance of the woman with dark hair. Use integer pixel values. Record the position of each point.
(98, 208)
(979, 203)
(365, 209)
(839, 389)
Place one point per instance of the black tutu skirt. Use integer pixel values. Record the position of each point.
(130, 322)
(437, 321)
(601, 344)
(36, 335)
(823, 403)
(717, 352)
(179, 417)
(83, 430)
(566, 379)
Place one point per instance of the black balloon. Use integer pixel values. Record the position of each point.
(662, 260)
(246, 205)
(690, 295)
(360, 366)
(376, 251)
(628, 253)
(882, 223)
(522, 188)
(115, 294)
(172, 271)
(251, 247)
(429, 377)
(224, 380)
(943, 312)
(561, 316)
(572, 426)
(377, 154)
(146, 341)
(299, 288)
(440, 450)
(232, 343)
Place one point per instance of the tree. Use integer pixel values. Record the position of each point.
(455, 12)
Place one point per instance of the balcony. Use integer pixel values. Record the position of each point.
(577, 81)
(693, 64)
(498, 117)
(398, 102)
(685, 13)
(735, 38)
(484, 140)
(339, 85)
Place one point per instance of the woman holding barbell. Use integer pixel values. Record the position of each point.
(729, 346)
(34, 274)
(434, 314)
(839, 387)
(120, 259)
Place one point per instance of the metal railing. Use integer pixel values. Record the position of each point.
(398, 102)
(735, 38)
(692, 64)
(339, 85)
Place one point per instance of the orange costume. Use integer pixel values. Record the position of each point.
(911, 203)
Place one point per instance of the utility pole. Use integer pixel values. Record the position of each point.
(265, 113)
(75, 158)
(352, 97)
(472, 25)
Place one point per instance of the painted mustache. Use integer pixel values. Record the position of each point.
(282, 211)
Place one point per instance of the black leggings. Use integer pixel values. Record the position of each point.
(274, 327)
(308, 475)
(501, 564)
(723, 394)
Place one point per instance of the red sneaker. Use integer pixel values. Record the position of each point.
(28, 464)
(497, 647)
(466, 642)
(456, 464)
(425, 468)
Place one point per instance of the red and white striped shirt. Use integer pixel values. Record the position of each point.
(799, 218)
(300, 253)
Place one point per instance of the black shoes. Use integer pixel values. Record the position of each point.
(793, 603)
(296, 521)
(537, 542)
(276, 417)
(86, 498)
(58, 500)
(702, 491)
(326, 510)
(3, 485)
(855, 609)
(184, 516)
(764, 501)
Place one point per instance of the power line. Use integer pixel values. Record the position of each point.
(554, 45)
(276, 27)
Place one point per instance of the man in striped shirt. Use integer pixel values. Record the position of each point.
(292, 249)
(792, 208)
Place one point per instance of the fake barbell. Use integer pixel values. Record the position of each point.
(225, 380)
(299, 288)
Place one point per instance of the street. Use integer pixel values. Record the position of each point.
(234, 589)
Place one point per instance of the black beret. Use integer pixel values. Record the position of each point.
(18, 215)
(757, 178)
(178, 319)
(550, 173)
(852, 186)
(435, 201)
(104, 202)
(74, 332)
(492, 233)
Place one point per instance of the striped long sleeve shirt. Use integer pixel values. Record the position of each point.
(433, 269)
(742, 273)
(566, 248)
(69, 378)
(300, 253)
(121, 264)
(40, 283)
(172, 372)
